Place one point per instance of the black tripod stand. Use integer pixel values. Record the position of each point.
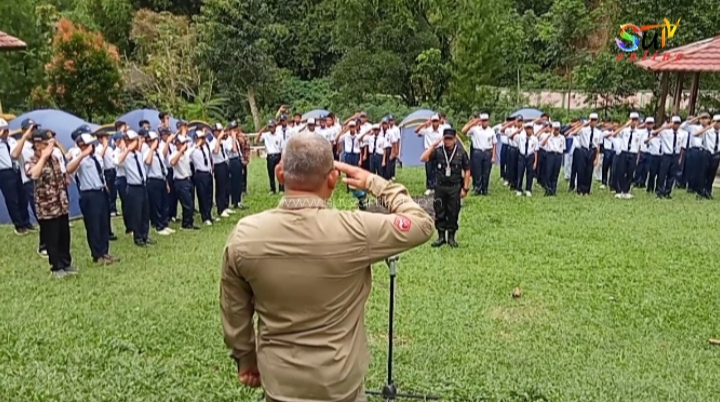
(389, 391)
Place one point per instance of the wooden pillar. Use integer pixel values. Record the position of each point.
(677, 98)
(664, 84)
(695, 89)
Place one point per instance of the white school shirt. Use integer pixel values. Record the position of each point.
(537, 127)
(691, 129)
(608, 142)
(221, 156)
(182, 169)
(542, 138)
(394, 134)
(431, 135)
(482, 138)
(107, 160)
(503, 136)
(653, 146)
(711, 141)
(364, 128)
(583, 137)
(667, 137)
(6, 160)
(201, 159)
(532, 145)
(351, 145)
(624, 140)
(120, 168)
(508, 133)
(155, 169)
(273, 143)
(284, 133)
(379, 145)
(556, 143)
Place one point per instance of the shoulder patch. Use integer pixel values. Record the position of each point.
(402, 223)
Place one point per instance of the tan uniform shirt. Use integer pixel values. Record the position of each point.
(308, 269)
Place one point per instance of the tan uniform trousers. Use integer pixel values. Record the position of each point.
(357, 396)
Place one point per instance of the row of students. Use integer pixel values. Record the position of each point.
(357, 141)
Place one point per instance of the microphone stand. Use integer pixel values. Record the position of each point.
(390, 391)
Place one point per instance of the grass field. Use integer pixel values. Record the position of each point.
(620, 298)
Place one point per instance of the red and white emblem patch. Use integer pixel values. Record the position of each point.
(402, 223)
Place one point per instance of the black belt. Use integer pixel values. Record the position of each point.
(136, 185)
(176, 179)
(156, 178)
(107, 170)
(273, 154)
(554, 152)
(92, 190)
(202, 171)
(481, 150)
(220, 163)
(11, 169)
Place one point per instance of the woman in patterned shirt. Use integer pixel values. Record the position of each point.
(51, 202)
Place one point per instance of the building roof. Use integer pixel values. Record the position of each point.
(8, 42)
(702, 56)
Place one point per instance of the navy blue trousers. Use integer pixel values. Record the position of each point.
(653, 171)
(121, 185)
(525, 170)
(157, 200)
(480, 168)
(430, 175)
(204, 188)
(184, 191)
(376, 166)
(553, 162)
(96, 215)
(669, 165)
(110, 178)
(235, 168)
(271, 161)
(139, 211)
(172, 199)
(222, 182)
(16, 202)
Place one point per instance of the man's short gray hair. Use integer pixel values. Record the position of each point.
(306, 161)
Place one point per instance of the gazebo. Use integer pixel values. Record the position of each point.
(690, 60)
(7, 44)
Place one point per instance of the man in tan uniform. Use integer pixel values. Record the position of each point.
(304, 269)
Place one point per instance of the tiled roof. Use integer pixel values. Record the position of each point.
(8, 42)
(702, 56)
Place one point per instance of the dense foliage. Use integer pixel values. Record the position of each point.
(220, 59)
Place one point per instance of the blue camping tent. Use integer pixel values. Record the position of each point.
(412, 146)
(62, 124)
(527, 114)
(133, 118)
(315, 114)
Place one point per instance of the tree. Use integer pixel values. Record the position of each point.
(233, 43)
(83, 76)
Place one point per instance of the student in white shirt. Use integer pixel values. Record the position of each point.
(528, 146)
(273, 146)
(432, 132)
(554, 147)
(482, 153)
(377, 151)
(608, 155)
(690, 176)
(182, 176)
(512, 153)
(395, 143)
(710, 157)
(587, 142)
(652, 152)
(672, 142)
(628, 140)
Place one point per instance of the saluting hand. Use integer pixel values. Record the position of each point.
(48, 149)
(250, 377)
(354, 176)
(87, 151)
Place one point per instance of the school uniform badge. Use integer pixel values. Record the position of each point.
(402, 223)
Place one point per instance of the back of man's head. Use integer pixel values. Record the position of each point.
(306, 162)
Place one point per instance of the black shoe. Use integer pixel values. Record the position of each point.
(113, 237)
(440, 240)
(128, 231)
(451, 240)
(150, 241)
(31, 228)
(140, 243)
(71, 270)
(190, 228)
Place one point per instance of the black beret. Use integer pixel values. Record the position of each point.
(41, 134)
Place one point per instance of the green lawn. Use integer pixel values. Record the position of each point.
(620, 298)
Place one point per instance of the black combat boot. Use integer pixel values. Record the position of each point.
(441, 239)
(451, 240)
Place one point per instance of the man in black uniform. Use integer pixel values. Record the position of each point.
(453, 182)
